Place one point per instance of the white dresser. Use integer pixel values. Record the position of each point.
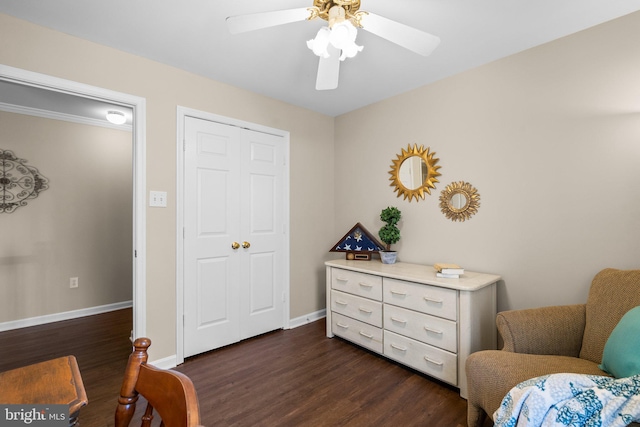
(406, 313)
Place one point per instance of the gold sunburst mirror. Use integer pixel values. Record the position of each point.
(459, 201)
(414, 172)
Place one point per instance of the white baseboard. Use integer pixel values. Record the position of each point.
(165, 363)
(308, 318)
(67, 315)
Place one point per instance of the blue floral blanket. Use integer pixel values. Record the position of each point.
(571, 400)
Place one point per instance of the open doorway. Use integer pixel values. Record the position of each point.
(134, 107)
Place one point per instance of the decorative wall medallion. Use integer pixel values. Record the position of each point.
(18, 182)
(459, 201)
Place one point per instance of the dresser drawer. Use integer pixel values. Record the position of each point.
(422, 327)
(363, 309)
(425, 358)
(365, 285)
(358, 332)
(428, 299)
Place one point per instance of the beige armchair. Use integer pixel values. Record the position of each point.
(549, 340)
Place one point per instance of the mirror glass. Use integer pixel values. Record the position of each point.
(414, 172)
(459, 201)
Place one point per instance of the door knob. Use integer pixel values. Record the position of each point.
(246, 245)
(235, 245)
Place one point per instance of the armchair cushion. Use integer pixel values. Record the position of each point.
(621, 357)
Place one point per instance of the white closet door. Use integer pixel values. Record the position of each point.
(234, 237)
(262, 226)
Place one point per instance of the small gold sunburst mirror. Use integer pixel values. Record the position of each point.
(459, 201)
(414, 172)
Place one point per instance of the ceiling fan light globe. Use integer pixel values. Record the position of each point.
(350, 50)
(320, 43)
(343, 34)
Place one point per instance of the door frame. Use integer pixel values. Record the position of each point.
(182, 113)
(138, 105)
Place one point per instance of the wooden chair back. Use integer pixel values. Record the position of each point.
(170, 393)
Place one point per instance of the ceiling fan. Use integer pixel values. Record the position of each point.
(336, 42)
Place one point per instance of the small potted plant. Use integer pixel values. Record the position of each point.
(389, 233)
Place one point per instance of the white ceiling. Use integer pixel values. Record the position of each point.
(192, 35)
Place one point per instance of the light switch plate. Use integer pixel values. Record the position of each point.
(158, 199)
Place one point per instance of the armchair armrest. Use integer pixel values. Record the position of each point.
(556, 330)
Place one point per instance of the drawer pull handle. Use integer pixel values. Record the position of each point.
(395, 319)
(342, 279)
(438, 301)
(364, 334)
(435, 362)
(435, 331)
(365, 285)
(397, 347)
(398, 292)
(342, 325)
(365, 310)
(341, 302)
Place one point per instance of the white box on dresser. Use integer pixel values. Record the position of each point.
(406, 313)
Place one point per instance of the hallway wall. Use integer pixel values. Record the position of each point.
(80, 227)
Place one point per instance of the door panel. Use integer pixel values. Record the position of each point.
(213, 304)
(263, 224)
(211, 225)
(262, 283)
(263, 195)
(212, 185)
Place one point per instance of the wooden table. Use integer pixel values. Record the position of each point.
(55, 381)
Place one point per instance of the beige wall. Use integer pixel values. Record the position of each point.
(550, 138)
(79, 227)
(34, 48)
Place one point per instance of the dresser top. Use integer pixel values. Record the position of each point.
(469, 281)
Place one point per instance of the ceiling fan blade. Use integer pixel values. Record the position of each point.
(256, 21)
(403, 35)
(329, 70)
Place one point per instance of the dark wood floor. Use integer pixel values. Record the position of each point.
(296, 377)
(100, 344)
